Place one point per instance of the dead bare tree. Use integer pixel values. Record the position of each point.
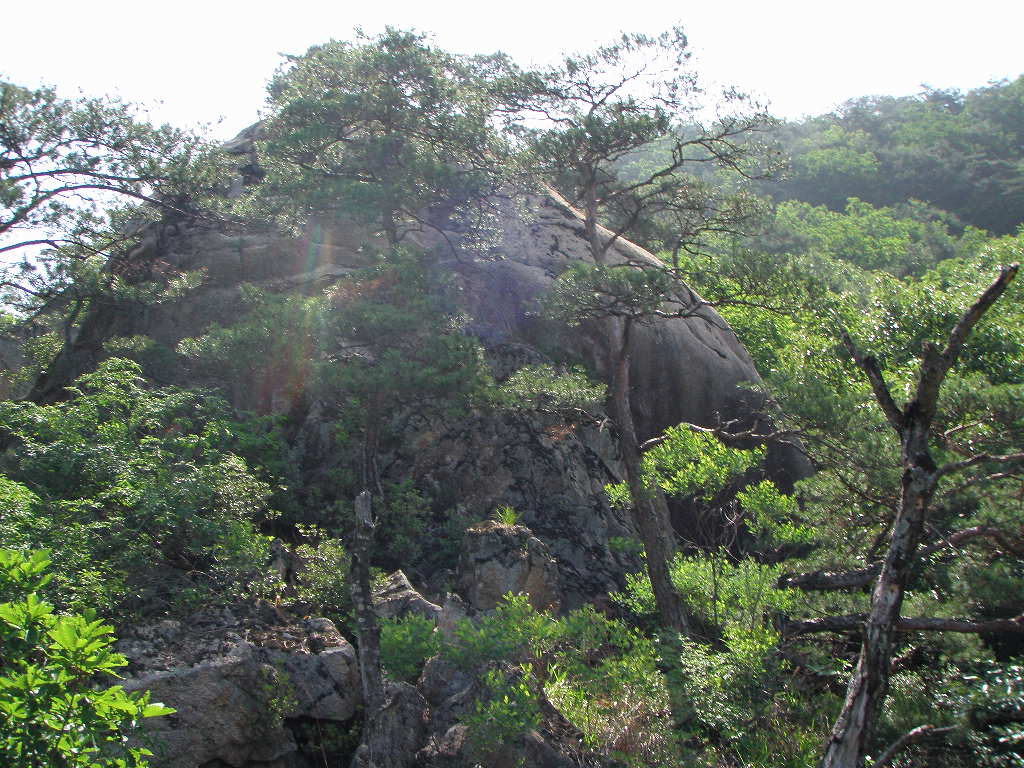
(913, 424)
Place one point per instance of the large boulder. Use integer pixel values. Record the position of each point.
(498, 559)
(553, 474)
(397, 598)
(684, 370)
(239, 687)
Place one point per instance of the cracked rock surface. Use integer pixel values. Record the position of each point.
(238, 685)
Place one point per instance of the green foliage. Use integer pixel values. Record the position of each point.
(406, 644)
(157, 361)
(688, 462)
(905, 241)
(545, 388)
(601, 675)
(992, 699)
(322, 584)
(401, 538)
(513, 632)
(732, 688)
(505, 717)
(276, 694)
(136, 491)
(586, 291)
(403, 341)
(52, 714)
(723, 591)
(957, 151)
(56, 149)
(771, 516)
(81, 181)
(275, 346)
(506, 515)
(379, 131)
(384, 347)
(146, 501)
(616, 134)
(605, 679)
(739, 712)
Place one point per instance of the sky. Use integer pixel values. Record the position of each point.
(208, 62)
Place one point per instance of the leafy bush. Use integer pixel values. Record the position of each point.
(605, 679)
(989, 702)
(515, 631)
(275, 346)
(52, 715)
(509, 713)
(543, 387)
(322, 583)
(731, 685)
(405, 644)
(506, 515)
(601, 675)
(720, 589)
(136, 491)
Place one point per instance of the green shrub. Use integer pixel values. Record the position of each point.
(52, 715)
(136, 491)
(509, 713)
(406, 644)
(506, 515)
(514, 632)
(601, 675)
(605, 679)
(545, 388)
(322, 583)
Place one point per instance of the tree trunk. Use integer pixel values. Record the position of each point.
(650, 510)
(362, 604)
(870, 681)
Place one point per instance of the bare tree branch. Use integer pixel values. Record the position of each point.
(910, 737)
(861, 577)
(935, 364)
(878, 384)
(981, 458)
(854, 622)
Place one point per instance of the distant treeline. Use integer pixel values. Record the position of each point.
(960, 152)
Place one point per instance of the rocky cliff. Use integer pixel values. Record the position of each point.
(551, 471)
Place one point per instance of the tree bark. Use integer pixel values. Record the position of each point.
(870, 682)
(362, 604)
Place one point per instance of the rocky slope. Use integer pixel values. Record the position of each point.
(225, 679)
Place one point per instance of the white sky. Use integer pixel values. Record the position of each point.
(206, 62)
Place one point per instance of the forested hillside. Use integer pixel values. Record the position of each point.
(958, 152)
(465, 414)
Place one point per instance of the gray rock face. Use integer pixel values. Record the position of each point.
(551, 472)
(683, 370)
(236, 686)
(397, 598)
(499, 559)
(398, 731)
